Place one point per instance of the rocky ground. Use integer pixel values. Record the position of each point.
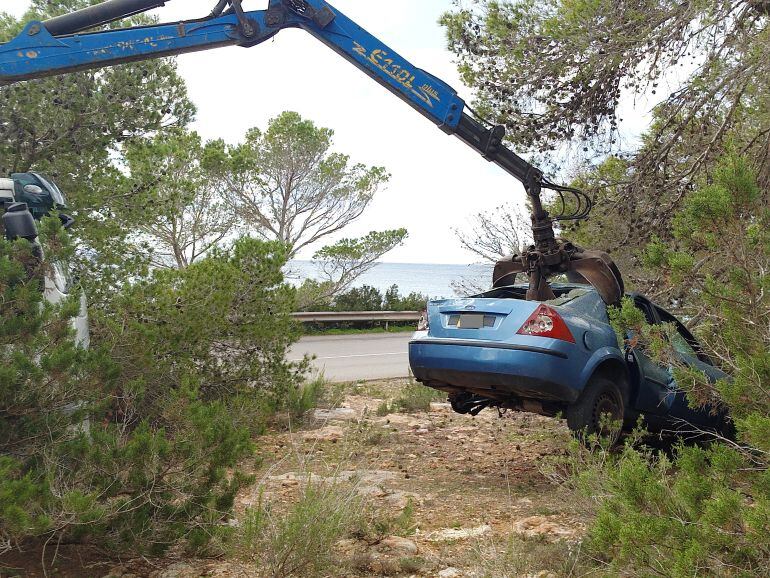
(443, 494)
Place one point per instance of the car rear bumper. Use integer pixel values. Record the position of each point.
(499, 369)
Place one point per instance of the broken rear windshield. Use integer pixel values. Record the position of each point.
(564, 293)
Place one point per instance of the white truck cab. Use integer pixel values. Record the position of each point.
(58, 286)
(58, 281)
(6, 191)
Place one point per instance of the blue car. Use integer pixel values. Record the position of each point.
(559, 357)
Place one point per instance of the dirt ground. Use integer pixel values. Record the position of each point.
(454, 495)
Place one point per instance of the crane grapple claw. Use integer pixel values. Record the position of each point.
(580, 266)
(598, 269)
(506, 270)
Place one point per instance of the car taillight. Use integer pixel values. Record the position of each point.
(423, 324)
(546, 322)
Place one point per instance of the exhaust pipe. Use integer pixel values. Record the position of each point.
(99, 14)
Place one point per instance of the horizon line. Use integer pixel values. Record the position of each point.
(477, 263)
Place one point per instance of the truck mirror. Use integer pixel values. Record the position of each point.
(19, 223)
(66, 221)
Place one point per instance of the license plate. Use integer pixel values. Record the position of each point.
(471, 321)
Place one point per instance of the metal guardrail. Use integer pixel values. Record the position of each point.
(338, 316)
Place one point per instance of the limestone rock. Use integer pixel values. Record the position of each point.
(458, 534)
(397, 546)
(368, 477)
(179, 570)
(440, 407)
(330, 433)
(336, 414)
(549, 527)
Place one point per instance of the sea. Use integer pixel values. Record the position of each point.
(432, 280)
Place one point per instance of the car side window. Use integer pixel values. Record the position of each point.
(681, 346)
(649, 316)
(647, 310)
(683, 341)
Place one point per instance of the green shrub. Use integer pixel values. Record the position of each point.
(394, 301)
(414, 398)
(223, 322)
(706, 511)
(374, 525)
(306, 397)
(368, 298)
(134, 443)
(364, 298)
(702, 510)
(411, 564)
(383, 409)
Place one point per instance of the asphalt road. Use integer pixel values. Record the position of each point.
(354, 357)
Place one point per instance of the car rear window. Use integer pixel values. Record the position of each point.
(582, 300)
(565, 298)
(520, 292)
(586, 303)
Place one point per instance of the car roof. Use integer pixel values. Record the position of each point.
(558, 286)
(588, 287)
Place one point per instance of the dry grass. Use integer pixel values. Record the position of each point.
(521, 556)
(299, 541)
(413, 398)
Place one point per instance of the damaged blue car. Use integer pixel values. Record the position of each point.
(557, 357)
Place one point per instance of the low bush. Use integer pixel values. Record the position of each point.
(306, 397)
(134, 443)
(298, 541)
(366, 298)
(700, 509)
(520, 556)
(413, 398)
(412, 564)
(703, 511)
(380, 525)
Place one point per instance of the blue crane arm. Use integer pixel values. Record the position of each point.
(37, 52)
(59, 45)
(40, 51)
(56, 47)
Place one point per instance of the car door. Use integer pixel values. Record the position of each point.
(656, 391)
(689, 352)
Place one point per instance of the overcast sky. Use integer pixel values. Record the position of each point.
(437, 183)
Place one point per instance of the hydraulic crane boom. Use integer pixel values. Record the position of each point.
(58, 46)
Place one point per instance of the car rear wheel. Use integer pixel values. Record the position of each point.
(599, 410)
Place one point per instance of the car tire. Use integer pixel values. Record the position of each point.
(600, 396)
